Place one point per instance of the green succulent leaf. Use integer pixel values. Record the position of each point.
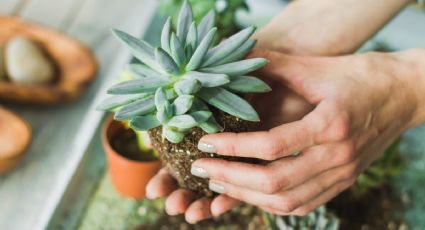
(192, 39)
(166, 61)
(211, 126)
(166, 35)
(198, 55)
(228, 46)
(182, 104)
(182, 122)
(247, 84)
(208, 79)
(201, 116)
(237, 68)
(187, 86)
(144, 123)
(229, 103)
(143, 85)
(142, 71)
(177, 51)
(161, 99)
(136, 108)
(139, 48)
(206, 24)
(184, 20)
(172, 135)
(113, 102)
(240, 53)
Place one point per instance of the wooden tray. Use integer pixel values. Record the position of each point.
(75, 65)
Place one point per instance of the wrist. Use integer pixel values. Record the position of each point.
(413, 74)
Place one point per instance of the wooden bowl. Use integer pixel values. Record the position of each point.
(75, 65)
(15, 137)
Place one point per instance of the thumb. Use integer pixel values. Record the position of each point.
(286, 69)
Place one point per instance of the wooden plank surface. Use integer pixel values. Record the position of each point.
(31, 194)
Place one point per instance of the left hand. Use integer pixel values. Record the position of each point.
(363, 103)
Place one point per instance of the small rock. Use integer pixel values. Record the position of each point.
(26, 63)
(2, 65)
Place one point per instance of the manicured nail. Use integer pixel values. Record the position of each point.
(206, 147)
(199, 172)
(216, 187)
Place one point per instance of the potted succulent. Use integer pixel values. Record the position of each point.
(187, 88)
(132, 163)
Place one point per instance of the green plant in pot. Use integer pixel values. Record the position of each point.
(187, 88)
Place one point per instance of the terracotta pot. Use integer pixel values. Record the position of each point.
(15, 137)
(129, 177)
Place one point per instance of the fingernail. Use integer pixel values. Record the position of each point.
(216, 187)
(199, 172)
(206, 147)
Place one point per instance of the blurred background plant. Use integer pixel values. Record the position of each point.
(225, 13)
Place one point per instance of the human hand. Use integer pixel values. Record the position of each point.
(363, 103)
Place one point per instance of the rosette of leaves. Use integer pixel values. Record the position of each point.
(179, 80)
(319, 219)
(225, 10)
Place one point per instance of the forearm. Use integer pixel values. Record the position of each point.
(412, 73)
(327, 27)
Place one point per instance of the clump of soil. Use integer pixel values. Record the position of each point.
(178, 158)
(125, 143)
(371, 210)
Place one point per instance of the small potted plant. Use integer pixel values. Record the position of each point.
(186, 88)
(132, 163)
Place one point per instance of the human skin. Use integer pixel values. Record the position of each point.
(289, 106)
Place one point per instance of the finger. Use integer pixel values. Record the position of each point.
(161, 185)
(323, 198)
(288, 200)
(222, 204)
(198, 210)
(279, 142)
(178, 201)
(281, 174)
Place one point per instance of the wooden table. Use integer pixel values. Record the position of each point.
(34, 196)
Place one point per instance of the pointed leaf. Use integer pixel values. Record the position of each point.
(206, 24)
(198, 55)
(184, 20)
(201, 116)
(228, 46)
(166, 35)
(136, 108)
(172, 136)
(143, 85)
(163, 107)
(237, 68)
(229, 103)
(192, 38)
(208, 79)
(113, 102)
(182, 122)
(139, 48)
(143, 71)
(160, 98)
(187, 86)
(177, 51)
(144, 123)
(211, 126)
(247, 84)
(166, 61)
(240, 53)
(182, 104)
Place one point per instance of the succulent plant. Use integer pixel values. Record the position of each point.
(176, 82)
(319, 219)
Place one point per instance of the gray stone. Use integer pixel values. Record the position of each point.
(26, 63)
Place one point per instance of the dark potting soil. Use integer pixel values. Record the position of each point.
(374, 209)
(178, 158)
(125, 143)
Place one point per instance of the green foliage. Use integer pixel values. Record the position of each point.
(203, 14)
(176, 81)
